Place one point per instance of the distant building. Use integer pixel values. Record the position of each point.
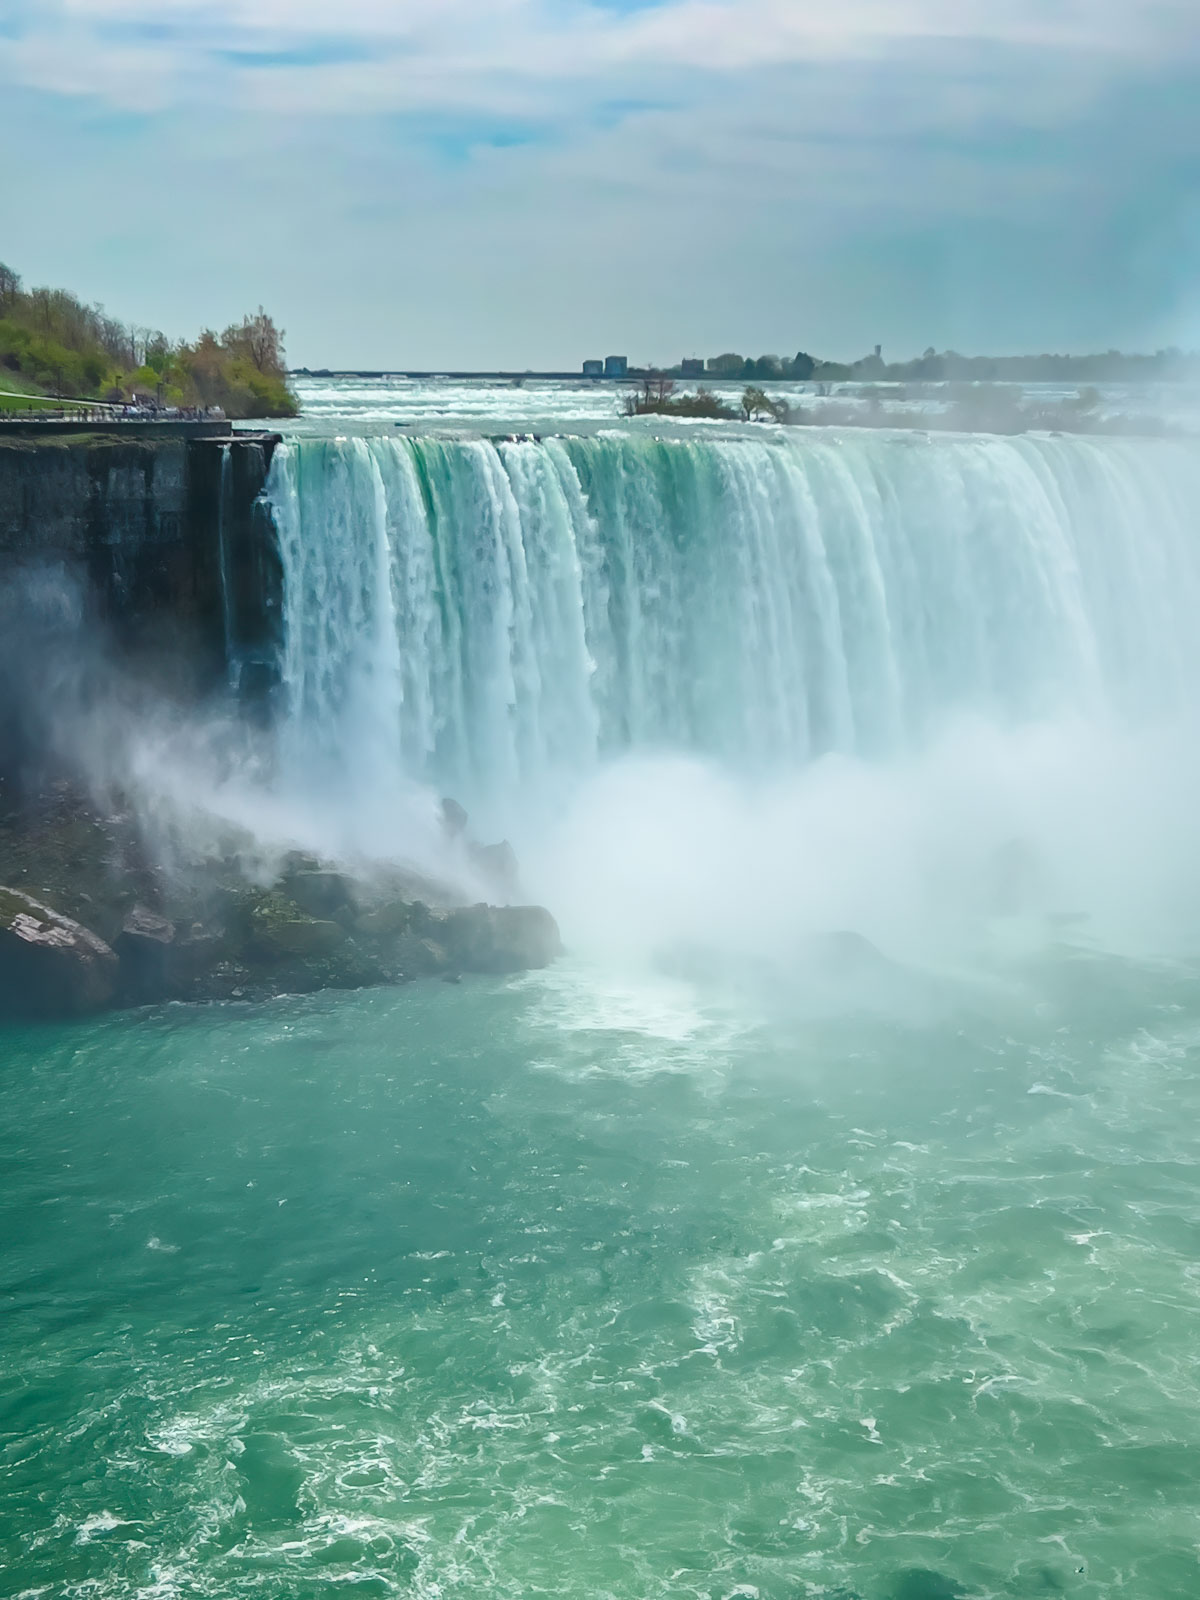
(616, 366)
(593, 369)
(691, 367)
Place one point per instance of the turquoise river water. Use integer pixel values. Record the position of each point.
(556, 1288)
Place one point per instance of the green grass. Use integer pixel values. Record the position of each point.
(15, 390)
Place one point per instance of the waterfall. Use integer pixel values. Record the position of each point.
(496, 617)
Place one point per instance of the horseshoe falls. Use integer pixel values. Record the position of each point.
(854, 673)
(500, 617)
(824, 1224)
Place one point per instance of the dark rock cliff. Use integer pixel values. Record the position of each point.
(140, 579)
(156, 552)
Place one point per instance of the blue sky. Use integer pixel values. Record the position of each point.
(527, 182)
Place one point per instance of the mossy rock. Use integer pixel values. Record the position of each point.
(279, 927)
(499, 939)
(382, 921)
(319, 892)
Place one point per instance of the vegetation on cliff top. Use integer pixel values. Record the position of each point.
(52, 343)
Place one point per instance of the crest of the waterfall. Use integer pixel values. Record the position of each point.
(752, 687)
(497, 619)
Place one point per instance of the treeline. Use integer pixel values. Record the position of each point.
(54, 343)
(1112, 366)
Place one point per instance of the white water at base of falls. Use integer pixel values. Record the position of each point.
(499, 618)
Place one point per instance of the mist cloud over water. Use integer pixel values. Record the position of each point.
(984, 849)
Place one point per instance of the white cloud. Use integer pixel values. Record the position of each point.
(702, 173)
(531, 57)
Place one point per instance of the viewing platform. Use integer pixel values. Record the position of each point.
(47, 426)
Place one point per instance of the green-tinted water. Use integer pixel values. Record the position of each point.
(560, 1288)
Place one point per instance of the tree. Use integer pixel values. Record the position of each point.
(259, 340)
(726, 366)
(756, 405)
(10, 288)
(656, 390)
(54, 341)
(803, 366)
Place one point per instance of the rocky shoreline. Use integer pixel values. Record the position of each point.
(89, 922)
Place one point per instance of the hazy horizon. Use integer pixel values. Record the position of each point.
(526, 184)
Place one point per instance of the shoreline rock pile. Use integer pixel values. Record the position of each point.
(86, 924)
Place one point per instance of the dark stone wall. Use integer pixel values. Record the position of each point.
(253, 579)
(141, 552)
(142, 525)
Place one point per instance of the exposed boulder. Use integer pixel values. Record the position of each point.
(497, 867)
(454, 818)
(416, 957)
(145, 947)
(194, 954)
(280, 928)
(50, 965)
(390, 917)
(318, 891)
(500, 938)
(124, 931)
(495, 864)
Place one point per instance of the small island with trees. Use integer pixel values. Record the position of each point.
(56, 351)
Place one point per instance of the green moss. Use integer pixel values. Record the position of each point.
(273, 910)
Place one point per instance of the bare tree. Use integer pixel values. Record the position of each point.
(756, 405)
(258, 339)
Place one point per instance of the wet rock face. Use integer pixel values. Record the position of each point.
(496, 865)
(281, 928)
(94, 923)
(50, 966)
(500, 939)
(163, 555)
(319, 892)
(148, 950)
(393, 940)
